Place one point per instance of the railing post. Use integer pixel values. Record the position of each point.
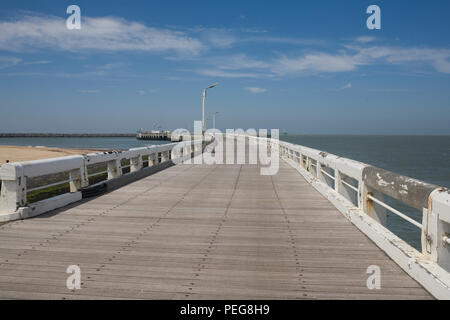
(372, 209)
(337, 182)
(78, 178)
(308, 164)
(13, 193)
(319, 173)
(114, 169)
(152, 158)
(436, 228)
(159, 156)
(303, 161)
(164, 156)
(135, 163)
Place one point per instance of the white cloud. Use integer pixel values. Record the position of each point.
(220, 39)
(110, 66)
(255, 90)
(112, 34)
(141, 92)
(105, 34)
(437, 58)
(365, 39)
(315, 63)
(216, 37)
(67, 75)
(238, 61)
(226, 74)
(283, 40)
(6, 62)
(354, 57)
(347, 60)
(37, 62)
(347, 86)
(253, 30)
(442, 66)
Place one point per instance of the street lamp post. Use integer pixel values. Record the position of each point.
(204, 108)
(214, 119)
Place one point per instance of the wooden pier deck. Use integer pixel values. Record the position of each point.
(199, 232)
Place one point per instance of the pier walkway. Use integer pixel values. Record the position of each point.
(199, 232)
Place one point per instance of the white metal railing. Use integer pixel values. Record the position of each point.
(342, 168)
(358, 191)
(14, 176)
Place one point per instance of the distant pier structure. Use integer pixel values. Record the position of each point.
(154, 135)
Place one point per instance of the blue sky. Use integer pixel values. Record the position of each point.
(303, 66)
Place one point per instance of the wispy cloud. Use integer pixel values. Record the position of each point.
(238, 61)
(226, 74)
(67, 75)
(365, 39)
(255, 90)
(216, 37)
(37, 62)
(347, 86)
(346, 59)
(315, 63)
(6, 62)
(283, 40)
(110, 66)
(112, 34)
(436, 58)
(104, 34)
(253, 30)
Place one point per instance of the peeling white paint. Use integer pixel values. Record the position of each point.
(381, 182)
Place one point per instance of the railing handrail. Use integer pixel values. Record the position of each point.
(410, 191)
(14, 175)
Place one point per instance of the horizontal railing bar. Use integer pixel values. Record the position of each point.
(349, 185)
(97, 173)
(386, 206)
(48, 185)
(323, 171)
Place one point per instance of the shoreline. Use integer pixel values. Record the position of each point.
(13, 153)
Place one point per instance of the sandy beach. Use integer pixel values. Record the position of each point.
(27, 153)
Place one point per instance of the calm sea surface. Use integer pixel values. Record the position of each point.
(422, 157)
(81, 142)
